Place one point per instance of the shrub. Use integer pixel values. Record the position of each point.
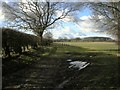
(47, 42)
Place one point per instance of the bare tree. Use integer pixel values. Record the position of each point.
(38, 16)
(110, 12)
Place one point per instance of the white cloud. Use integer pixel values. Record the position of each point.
(61, 32)
(24, 1)
(1, 16)
(68, 19)
(85, 17)
(65, 32)
(7, 1)
(58, 13)
(86, 25)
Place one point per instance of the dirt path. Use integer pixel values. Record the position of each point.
(40, 75)
(48, 73)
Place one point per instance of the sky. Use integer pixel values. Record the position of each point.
(84, 28)
(69, 29)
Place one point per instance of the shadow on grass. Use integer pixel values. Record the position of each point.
(51, 71)
(101, 73)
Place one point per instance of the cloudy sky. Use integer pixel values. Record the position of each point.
(69, 29)
(84, 28)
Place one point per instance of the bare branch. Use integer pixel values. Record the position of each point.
(38, 16)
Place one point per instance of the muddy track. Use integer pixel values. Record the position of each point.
(39, 75)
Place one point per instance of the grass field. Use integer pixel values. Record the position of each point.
(108, 47)
(51, 70)
(102, 73)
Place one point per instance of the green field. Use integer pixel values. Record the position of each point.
(108, 47)
(102, 74)
(50, 68)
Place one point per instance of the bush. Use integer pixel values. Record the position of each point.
(47, 42)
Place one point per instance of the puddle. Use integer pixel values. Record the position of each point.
(78, 64)
(73, 64)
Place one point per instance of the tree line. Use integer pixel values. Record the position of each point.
(86, 39)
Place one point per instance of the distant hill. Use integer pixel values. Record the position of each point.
(86, 39)
(97, 39)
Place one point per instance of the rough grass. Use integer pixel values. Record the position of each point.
(107, 47)
(101, 74)
(94, 45)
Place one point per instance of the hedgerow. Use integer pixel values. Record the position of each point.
(14, 41)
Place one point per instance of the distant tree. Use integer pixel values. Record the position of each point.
(48, 38)
(77, 39)
(97, 39)
(60, 38)
(65, 38)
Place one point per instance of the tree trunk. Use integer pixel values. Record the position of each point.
(41, 40)
(7, 51)
(118, 35)
(41, 37)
